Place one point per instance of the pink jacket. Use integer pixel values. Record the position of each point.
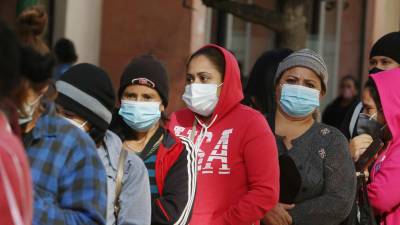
(384, 189)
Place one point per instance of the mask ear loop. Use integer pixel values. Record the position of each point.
(373, 116)
(83, 124)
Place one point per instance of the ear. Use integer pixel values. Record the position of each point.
(322, 93)
(162, 107)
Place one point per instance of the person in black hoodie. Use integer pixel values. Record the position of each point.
(336, 111)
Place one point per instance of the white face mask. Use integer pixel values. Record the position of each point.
(201, 98)
(78, 125)
(29, 109)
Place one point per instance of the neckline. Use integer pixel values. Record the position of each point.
(299, 138)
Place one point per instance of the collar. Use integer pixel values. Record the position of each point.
(46, 125)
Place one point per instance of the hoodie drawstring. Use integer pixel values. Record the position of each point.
(203, 131)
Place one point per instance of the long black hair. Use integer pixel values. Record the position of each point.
(260, 86)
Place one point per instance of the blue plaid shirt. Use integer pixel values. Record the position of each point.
(68, 175)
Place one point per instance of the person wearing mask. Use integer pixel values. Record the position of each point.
(143, 97)
(238, 174)
(325, 172)
(16, 199)
(259, 92)
(384, 55)
(336, 111)
(31, 24)
(64, 51)
(89, 106)
(68, 175)
(382, 108)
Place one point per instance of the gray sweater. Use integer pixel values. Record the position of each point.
(135, 195)
(328, 181)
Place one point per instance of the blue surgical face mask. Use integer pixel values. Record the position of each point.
(299, 101)
(140, 116)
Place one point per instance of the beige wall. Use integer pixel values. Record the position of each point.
(200, 25)
(80, 21)
(387, 17)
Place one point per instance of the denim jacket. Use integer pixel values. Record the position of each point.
(135, 197)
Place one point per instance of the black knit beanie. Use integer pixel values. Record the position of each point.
(87, 91)
(143, 69)
(388, 45)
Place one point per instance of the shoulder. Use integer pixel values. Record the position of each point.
(184, 111)
(176, 145)
(329, 132)
(181, 117)
(135, 164)
(251, 115)
(250, 120)
(331, 137)
(70, 138)
(113, 141)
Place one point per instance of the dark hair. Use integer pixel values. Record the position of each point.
(214, 55)
(261, 80)
(352, 79)
(35, 67)
(36, 71)
(373, 90)
(9, 61)
(64, 50)
(97, 135)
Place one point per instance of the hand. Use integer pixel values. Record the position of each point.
(278, 215)
(359, 144)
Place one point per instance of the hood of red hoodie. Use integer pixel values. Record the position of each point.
(388, 83)
(231, 92)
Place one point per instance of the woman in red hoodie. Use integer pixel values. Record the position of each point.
(238, 174)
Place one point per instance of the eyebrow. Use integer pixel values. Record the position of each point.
(292, 76)
(308, 80)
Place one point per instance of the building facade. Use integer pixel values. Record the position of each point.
(111, 33)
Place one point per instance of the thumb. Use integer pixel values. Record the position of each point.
(287, 206)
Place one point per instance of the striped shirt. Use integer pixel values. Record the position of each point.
(149, 156)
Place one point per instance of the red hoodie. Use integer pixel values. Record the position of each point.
(238, 170)
(384, 189)
(15, 179)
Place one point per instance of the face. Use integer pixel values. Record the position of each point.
(142, 93)
(72, 116)
(32, 95)
(348, 89)
(299, 76)
(201, 70)
(370, 107)
(383, 63)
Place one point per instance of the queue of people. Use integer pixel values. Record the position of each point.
(74, 152)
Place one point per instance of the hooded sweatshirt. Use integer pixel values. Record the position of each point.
(384, 189)
(16, 197)
(238, 173)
